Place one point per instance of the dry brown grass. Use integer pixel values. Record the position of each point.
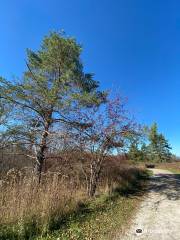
(172, 166)
(28, 209)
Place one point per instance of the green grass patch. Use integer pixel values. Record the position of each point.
(104, 217)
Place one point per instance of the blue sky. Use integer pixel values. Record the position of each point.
(130, 45)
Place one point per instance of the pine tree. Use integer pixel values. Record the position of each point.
(134, 153)
(52, 88)
(159, 148)
(144, 152)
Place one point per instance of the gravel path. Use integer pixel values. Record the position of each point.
(158, 217)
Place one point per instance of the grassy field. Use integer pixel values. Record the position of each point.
(105, 216)
(173, 167)
(100, 220)
(53, 211)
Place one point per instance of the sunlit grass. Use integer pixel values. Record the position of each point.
(55, 210)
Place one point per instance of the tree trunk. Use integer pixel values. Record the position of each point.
(94, 177)
(39, 163)
(40, 156)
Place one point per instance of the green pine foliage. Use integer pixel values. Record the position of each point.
(157, 149)
(52, 89)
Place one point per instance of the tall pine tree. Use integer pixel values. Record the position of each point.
(159, 148)
(52, 88)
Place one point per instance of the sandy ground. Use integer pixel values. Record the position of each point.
(158, 217)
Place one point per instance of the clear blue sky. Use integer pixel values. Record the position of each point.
(131, 45)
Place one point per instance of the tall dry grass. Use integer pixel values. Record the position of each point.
(28, 209)
(172, 166)
(35, 209)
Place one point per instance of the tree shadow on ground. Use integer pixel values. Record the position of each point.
(166, 184)
(84, 211)
(135, 189)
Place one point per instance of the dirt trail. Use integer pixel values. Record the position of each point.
(159, 214)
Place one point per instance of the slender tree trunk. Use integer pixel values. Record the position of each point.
(40, 157)
(94, 177)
